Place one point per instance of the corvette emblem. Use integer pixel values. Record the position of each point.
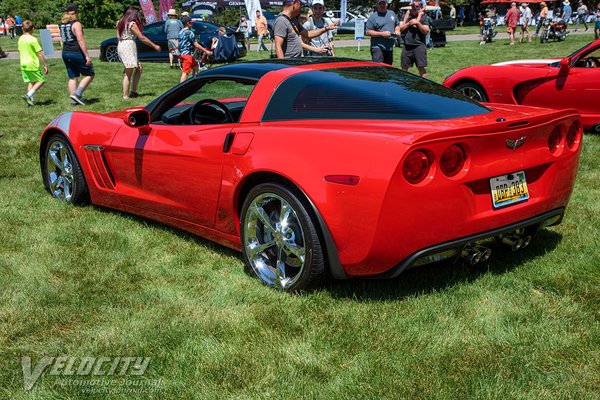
(513, 144)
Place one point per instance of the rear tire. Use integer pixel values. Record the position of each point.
(472, 90)
(280, 242)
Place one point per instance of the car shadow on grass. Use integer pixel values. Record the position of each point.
(413, 282)
(443, 275)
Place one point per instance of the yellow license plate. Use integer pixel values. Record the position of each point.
(509, 189)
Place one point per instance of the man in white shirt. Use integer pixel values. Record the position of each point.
(525, 20)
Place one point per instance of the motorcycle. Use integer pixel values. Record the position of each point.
(488, 33)
(554, 30)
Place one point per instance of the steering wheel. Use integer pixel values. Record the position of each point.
(592, 62)
(210, 118)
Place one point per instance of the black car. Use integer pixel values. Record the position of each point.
(155, 32)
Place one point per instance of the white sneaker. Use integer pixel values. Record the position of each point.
(28, 100)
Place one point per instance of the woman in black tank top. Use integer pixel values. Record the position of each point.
(75, 55)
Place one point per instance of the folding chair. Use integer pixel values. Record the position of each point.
(226, 50)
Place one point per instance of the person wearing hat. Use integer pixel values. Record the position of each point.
(185, 14)
(414, 29)
(525, 20)
(382, 26)
(75, 55)
(172, 28)
(289, 32)
(582, 12)
(318, 21)
(567, 12)
(543, 16)
(187, 44)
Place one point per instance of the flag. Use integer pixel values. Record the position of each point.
(148, 9)
(165, 5)
(251, 7)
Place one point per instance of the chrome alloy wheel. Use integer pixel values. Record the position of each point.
(59, 170)
(472, 93)
(112, 53)
(274, 240)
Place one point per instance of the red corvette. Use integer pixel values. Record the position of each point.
(322, 167)
(571, 82)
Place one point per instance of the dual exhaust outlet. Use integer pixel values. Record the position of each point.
(473, 254)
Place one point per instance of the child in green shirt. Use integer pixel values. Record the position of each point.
(30, 54)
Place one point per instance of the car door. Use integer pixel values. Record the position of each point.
(156, 33)
(173, 167)
(576, 86)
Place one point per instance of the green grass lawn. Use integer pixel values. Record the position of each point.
(91, 282)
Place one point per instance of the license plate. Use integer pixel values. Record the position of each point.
(509, 189)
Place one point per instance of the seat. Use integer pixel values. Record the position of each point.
(55, 33)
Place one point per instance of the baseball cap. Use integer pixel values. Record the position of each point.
(320, 2)
(303, 2)
(381, 1)
(185, 20)
(71, 7)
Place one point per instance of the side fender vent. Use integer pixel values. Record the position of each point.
(99, 166)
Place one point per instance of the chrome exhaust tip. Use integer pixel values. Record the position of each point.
(471, 255)
(526, 241)
(486, 252)
(515, 242)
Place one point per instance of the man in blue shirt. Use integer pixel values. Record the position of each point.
(567, 11)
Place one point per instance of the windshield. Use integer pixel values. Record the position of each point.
(366, 93)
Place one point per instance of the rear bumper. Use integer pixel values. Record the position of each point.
(531, 226)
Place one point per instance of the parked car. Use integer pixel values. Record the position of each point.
(570, 82)
(322, 166)
(204, 33)
(348, 25)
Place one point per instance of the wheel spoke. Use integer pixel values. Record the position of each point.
(280, 268)
(262, 215)
(256, 248)
(284, 214)
(56, 161)
(293, 249)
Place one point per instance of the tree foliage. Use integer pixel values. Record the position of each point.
(92, 13)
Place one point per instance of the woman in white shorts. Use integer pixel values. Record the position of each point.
(128, 28)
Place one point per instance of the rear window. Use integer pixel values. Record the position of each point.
(366, 93)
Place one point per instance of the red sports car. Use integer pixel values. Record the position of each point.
(323, 167)
(571, 82)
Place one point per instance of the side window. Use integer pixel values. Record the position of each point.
(215, 102)
(589, 60)
(153, 30)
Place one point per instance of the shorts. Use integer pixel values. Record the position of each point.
(510, 29)
(33, 76)
(382, 56)
(597, 24)
(75, 63)
(173, 45)
(188, 63)
(413, 55)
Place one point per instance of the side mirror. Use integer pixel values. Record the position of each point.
(564, 63)
(138, 118)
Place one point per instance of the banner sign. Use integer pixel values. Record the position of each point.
(343, 9)
(251, 7)
(165, 5)
(148, 9)
(359, 29)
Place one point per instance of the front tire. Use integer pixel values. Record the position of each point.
(62, 172)
(280, 242)
(472, 90)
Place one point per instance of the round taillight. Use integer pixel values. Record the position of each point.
(416, 167)
(554, 140)
(452, 160)
(573, 134)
